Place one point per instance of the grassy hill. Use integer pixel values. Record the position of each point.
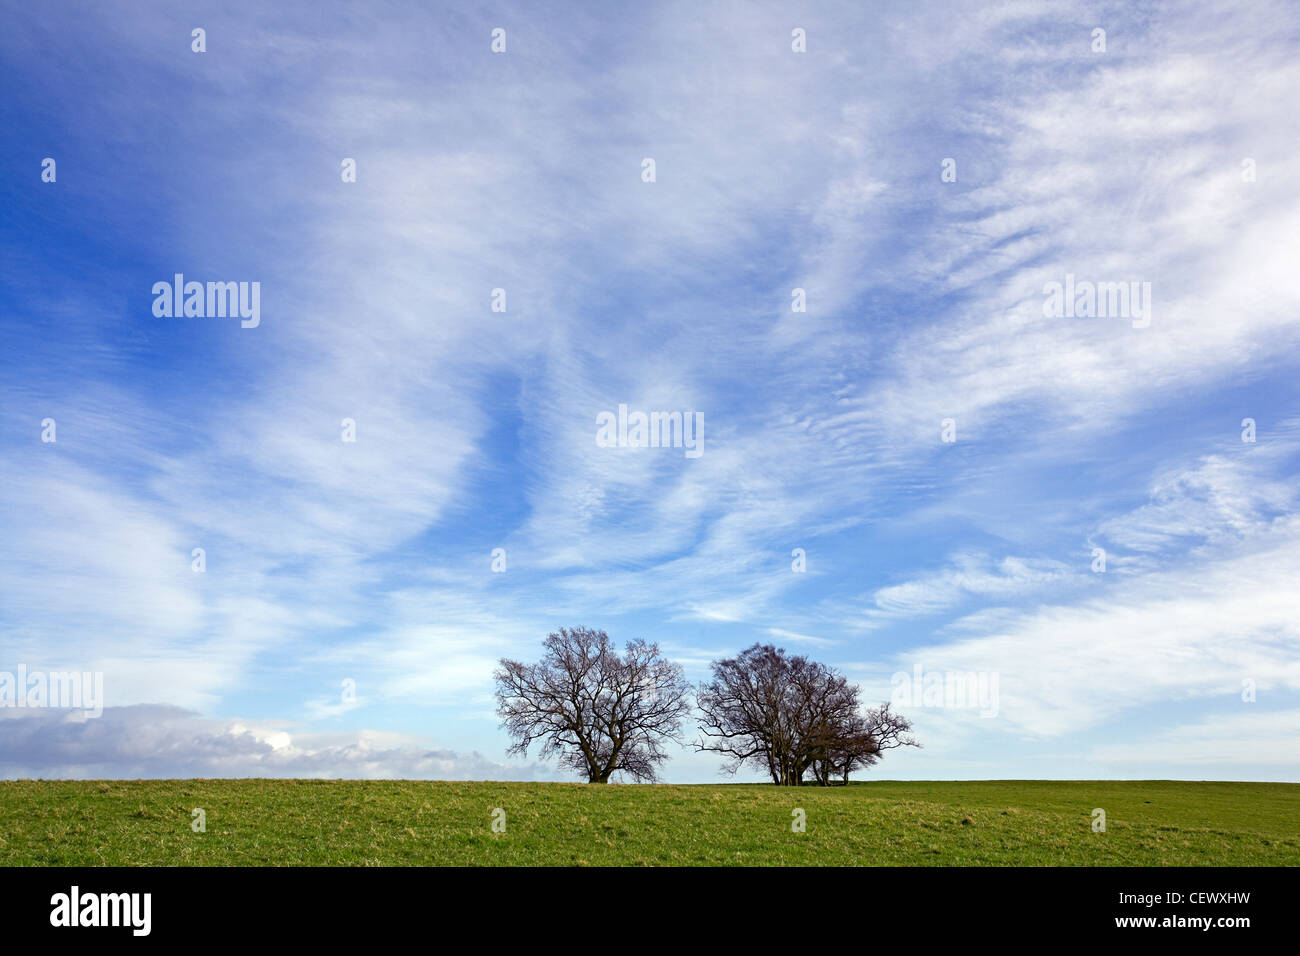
(403, 822)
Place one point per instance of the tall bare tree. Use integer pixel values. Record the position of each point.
(600, 711)
(791, 716)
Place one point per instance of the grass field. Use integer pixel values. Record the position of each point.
(368, 823)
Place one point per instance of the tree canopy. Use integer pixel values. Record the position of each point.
(599, 711)
(792, 716)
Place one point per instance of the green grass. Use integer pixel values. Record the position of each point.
(368, 823)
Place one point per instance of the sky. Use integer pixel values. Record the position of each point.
(925, 470)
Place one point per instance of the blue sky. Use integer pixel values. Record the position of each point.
(370, 561)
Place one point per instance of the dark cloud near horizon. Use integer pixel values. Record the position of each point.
(162, 741)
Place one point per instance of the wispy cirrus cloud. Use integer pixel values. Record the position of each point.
(369, 561)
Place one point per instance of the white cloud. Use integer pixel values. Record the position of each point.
(160, 742)
(970, 576)
(1166, 637)
(1254, 737)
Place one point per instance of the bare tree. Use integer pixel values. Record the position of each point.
(599, 711)
(741, 711)
(792, 716)
(862, 741)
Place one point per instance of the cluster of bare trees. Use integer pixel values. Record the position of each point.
(792, 717)
(603, 712)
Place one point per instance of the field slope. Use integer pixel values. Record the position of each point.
(403, 822)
